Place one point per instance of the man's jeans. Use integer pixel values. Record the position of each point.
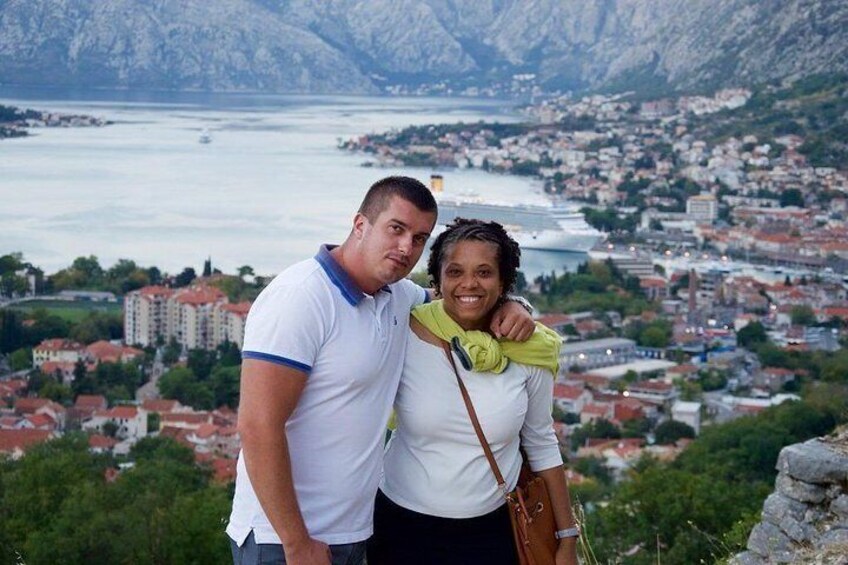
(252, 553)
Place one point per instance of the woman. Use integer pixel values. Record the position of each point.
(438, 501)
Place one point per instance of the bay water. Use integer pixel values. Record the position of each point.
(269, 188)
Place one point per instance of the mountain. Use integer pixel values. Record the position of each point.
(361, 46)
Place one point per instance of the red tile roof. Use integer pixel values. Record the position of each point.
(119, 413)
(31, 405)
(553, 320)
(195, 418)
(205, 431)
(568, 392)
(200, 295)
(657, 386)
(160, 405)
(58, 344)
(625, 412)
(97, 441)
(41, 421)
(240, 309)
(151, 291)
(652, 282)
(105, 352)
(11, 440)
(14, 386)
(9, 422)
(595, 409)
(778, 371)
(841, 312)
(97, 401)
(595, 381)
(682, 369)
(53, 367)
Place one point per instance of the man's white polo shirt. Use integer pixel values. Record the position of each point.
(314, 318)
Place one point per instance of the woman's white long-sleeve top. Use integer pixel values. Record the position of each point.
(434, 463)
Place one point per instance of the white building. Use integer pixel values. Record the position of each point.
(130, 422)
(702, 208)
(57, 351)
(198, 317)
(688, 413)
(146, 315)
(596, 353)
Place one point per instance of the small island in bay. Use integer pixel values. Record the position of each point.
(15, 122)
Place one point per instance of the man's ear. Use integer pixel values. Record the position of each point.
(359, 224)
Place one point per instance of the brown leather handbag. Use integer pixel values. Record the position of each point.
(530, 509)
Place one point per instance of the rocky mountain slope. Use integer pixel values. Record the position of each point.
(360, 46)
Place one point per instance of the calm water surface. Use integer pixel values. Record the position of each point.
(266, 192)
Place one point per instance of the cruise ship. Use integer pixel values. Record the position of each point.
(548, 228)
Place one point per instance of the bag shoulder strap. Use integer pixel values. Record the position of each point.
(474, 422)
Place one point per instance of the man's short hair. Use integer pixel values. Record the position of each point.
(381, 192)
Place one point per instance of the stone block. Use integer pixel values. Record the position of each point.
(799, 490)
(813, 462)
(770, 543)
(834, 491)
(798, 532)
(778, 506)
(840, 506)
(836, 536)
(746, 558)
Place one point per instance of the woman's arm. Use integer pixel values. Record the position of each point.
(558, 490)
(539, 442)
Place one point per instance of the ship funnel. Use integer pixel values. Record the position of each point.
(437, 184)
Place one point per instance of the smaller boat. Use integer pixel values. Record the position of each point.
(205, 137)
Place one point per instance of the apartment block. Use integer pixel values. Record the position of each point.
(198, 317)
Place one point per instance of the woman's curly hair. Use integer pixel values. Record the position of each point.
(463, 229)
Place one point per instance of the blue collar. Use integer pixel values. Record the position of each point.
(339, 277)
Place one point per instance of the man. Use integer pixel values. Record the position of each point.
(323, 352)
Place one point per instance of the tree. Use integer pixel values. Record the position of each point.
(600, 428)
(245, 271)
(162, 510)
(153, 421)
(172, 351)
(802, 315)
(225, 385)
(110, 428)
(20, 359)
(751, 335)
(11, 263)
(594, 467)
(12, 285)
(154, 275)
(185, 278)
(200, 362)
(181, 384)
(791, 197)
(98, 326)
(32, 491)
(671, 430)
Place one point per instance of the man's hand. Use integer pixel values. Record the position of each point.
(310, 552)
(513, 322)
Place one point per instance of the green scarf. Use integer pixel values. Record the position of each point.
(485, 352)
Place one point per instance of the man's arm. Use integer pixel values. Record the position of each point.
(269, 395)
(512, 321)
